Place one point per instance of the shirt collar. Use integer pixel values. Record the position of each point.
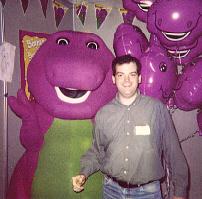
(137, 99)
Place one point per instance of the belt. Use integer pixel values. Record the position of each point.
(124, 184)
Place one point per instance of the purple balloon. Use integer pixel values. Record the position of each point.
(199, 120)
(138, 8)
(159, 73)
(129, 39)
(176, 22)
(185, 54)
(188, 95)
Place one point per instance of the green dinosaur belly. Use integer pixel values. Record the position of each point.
(59, 160)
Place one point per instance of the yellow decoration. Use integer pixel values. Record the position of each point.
(30, 46)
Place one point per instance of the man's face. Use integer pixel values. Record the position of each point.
(126, 80)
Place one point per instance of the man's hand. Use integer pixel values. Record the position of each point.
(78, 182)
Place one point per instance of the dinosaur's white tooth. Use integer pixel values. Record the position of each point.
(70, 100)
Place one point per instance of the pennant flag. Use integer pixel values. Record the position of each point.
(44, 4)
(81, 11)
(127, 15)
(123, 13)
(101, 13)
(3, 2)
(24, 5)
(60, 10)
(30, 42)
(7, 56)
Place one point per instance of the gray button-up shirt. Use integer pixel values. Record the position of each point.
(129, 141)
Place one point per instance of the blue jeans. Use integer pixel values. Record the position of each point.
(112, 190)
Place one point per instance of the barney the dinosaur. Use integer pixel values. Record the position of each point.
(70, 79)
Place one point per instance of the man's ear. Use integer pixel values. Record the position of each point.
(139, 79)
(113, 79)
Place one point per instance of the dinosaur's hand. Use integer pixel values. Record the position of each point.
(30, 134)
(21, 106)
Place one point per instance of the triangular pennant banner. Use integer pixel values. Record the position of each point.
(24, 4)
(60, 10)
(123, 13)
(128, 16)
(81, 11)
(3, 2)
(44, 4)
(101, 12)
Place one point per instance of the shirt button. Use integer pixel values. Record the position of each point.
(128, 109)
(126, 159)
(127, 147)
(127, 133)
(128, 121)
(125, 172)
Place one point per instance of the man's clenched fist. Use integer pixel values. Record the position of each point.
(78, 182)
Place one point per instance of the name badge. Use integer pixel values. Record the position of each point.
(142, 130)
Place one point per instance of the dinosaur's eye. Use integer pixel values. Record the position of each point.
(92, 45)
(163, 67)
(63, 41)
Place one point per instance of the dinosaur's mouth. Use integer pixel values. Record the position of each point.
(144, 5)
(178, 53)
(70, 95)
(175, 36)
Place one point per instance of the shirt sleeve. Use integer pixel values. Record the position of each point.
(173, 154)
(90, 161)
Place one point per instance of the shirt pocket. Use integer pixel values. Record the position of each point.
(144, 142)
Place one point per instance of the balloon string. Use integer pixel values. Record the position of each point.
(189, 136)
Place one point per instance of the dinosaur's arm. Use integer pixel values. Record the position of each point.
(35, 121)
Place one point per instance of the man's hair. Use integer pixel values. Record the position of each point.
(125, 59)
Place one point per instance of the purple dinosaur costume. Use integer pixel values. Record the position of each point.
(70, 79)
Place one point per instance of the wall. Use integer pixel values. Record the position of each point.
(34, 21)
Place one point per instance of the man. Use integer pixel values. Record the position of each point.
(131, 134)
